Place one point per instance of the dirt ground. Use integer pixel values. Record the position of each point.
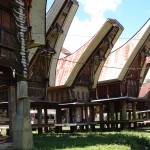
(6, 146)
(5, 143)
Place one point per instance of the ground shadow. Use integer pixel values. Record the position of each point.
(62, 141)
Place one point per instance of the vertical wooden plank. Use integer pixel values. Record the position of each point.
(12, 109)
(40, 120)
(46, 120)
(58, 119)
(86, 117)
(112, 114)
(92, 117)
(134, 113)
(101, 115)
(123, 114)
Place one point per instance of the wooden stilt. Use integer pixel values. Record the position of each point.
(123, 114)
(12, 109)
(134, 113)
(112, 114)
(39, 120)
(86, 117)
(58, 120)
(92, 117)
(46, 120)
(101, 115)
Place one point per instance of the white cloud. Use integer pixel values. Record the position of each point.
(84, 29)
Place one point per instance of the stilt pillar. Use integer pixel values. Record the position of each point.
(23, 137)
(82, 127)
(134, 113)
(123, 113)
(101, 116)
(112, 114)
(40, 120)
(134, 110)
(86, 117)
(92, 117)
(58, 120)
(72, 128)
(12, 109)
(46, 120)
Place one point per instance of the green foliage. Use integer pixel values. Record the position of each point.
(125, 140)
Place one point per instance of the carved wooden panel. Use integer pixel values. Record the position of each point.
(7, 54)
(102, 91)
(5, 3)
(7, 39)
(114, 90)
(0, 16)
(3, 95)
(36, 91)
(6, 19)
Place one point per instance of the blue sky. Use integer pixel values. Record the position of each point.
(91, 15)
(132, 14)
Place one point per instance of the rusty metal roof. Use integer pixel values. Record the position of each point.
(67, 64)
(145, 89)
(118, 62)
(68, 67)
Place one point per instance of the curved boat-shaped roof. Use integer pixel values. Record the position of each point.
(69, 67)
(64, 18)
(118, 62)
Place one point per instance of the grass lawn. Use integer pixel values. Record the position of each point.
(124, 140)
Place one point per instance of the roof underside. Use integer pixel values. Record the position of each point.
(120, 60)
(68, 67)
(37, 22)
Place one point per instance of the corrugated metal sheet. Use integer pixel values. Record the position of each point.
(67, 64)
(119, 61)
(145, 89)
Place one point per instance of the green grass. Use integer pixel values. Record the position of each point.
(125, 140)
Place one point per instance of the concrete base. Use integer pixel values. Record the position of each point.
(23, 138)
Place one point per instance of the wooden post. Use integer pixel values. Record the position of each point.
(92, 117)
(86, 117)
(23, 138)
(70, 115)
(39, 120)
(116, 119)
(101, 115)
(46, 120)
(72, 128)
(148, 115)
(123, 110)
(81, 127)
(134, 113)
(134, 110)
(123, 113)
(112, 114)
(12, 109)
(129, 118)
(58, 119)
